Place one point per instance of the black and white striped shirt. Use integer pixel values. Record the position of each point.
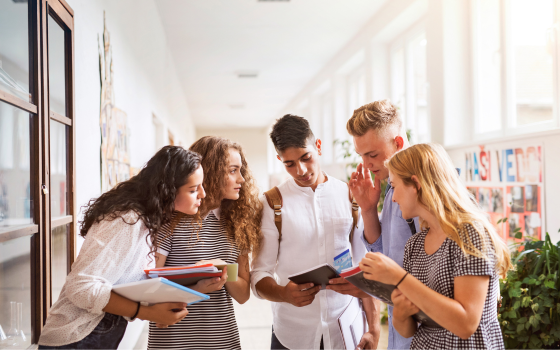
(211, 323)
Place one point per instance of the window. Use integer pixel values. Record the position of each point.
(487, 61)
(409, 87)
(356, 89)
(37, 210)
(531, 47)
(515, 52)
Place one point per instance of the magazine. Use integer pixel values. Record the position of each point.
(382, 292)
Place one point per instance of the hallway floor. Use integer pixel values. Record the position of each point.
(254, 319)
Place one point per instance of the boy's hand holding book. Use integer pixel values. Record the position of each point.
(342, 286)
(299, 294)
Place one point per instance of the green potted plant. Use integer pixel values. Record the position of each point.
(529, 313)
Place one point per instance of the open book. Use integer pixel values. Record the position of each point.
(381, 291)
(318, 275)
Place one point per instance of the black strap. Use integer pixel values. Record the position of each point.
(410, 222)
(411, 225)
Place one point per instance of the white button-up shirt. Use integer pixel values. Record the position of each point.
(315, 228)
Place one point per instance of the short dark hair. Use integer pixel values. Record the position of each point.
(291, 131)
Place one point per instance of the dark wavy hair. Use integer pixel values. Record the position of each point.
(242, 216)
(150, 194)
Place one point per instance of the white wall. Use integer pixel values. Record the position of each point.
(254, 143)
(145, 83)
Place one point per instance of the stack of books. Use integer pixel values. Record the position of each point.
(191, 274)
(185, 275)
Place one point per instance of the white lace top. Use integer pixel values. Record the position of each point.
(114, 252)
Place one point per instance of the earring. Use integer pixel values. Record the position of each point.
(319, 152)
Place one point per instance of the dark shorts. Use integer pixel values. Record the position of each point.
(106, 335)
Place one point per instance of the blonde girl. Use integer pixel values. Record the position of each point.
(451, 268)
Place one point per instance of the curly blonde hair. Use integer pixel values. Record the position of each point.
(242, 216)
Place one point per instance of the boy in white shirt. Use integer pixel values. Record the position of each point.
(316, 224)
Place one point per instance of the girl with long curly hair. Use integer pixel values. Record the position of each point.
(230, 231)
(120, 230)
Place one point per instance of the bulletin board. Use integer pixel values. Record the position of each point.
(508, 183)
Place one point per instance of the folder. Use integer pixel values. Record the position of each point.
(158, 290)
(353, 324)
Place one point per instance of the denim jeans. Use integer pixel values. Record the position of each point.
(106, 335)
(276, 345)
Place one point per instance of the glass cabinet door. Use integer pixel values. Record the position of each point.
(59, 129)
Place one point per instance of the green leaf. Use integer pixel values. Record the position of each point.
(512, 314)
(535, 307)
(535, 342)
(516, 305)
(518, 234)
(520, 328)
(522, 320)
(550, 284)
(522, 254)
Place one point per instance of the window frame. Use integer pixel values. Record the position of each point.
(40, 116)
(404, 42)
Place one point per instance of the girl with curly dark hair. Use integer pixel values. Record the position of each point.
(230, 231)
(120, 229)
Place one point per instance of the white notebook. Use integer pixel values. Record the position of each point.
(158, 290)
(353, 324)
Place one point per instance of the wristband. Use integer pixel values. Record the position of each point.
(136, 313)
(402, 279)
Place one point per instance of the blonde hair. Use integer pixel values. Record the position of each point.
(443, 194)
(378, 115)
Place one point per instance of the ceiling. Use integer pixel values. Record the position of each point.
(286, 42)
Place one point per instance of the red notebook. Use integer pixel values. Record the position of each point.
(177, 268)
(192, 278)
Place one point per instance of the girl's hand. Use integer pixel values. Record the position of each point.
(163, 314)
(208, 285)
(381, 268)
(403, 308)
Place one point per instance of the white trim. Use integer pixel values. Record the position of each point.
(508, 138)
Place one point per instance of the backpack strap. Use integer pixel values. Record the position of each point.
(355, 213)
(274, 199)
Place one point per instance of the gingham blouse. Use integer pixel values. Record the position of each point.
(438, 271)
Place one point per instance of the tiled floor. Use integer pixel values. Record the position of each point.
(254, 319)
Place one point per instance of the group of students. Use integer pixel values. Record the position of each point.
(187, 206)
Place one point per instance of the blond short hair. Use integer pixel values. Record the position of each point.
(378, 115)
